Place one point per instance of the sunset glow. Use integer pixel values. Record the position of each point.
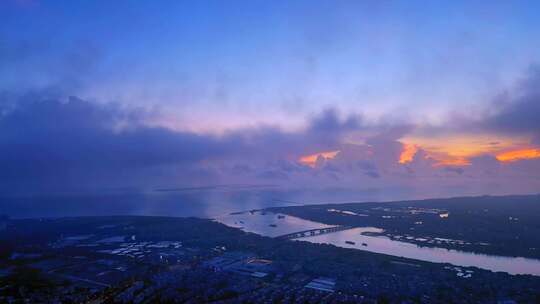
(407, 155)
(457, 150)
(455, 162)
(311, 160)
(331, 100)
(515, 155)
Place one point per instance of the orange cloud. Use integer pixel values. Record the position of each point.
(311, 160)
(456, 162)
(518, 154)
(466, 146)
(407, 154)
(456, 150)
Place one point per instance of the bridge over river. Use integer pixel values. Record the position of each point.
(312, 232)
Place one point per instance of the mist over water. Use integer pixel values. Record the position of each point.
(207, 202)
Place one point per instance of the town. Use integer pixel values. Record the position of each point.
(132, 259)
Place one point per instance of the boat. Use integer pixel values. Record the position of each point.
(281, 216)
(350, 242)
(273, 225)
(364, 244)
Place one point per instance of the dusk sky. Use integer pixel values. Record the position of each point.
(402, 98)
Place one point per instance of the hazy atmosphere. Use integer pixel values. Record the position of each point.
(399, 99)
(299, 151)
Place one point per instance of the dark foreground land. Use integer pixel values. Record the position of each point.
(499, 225)
(188, 260)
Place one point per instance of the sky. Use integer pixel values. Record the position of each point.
(408, 98)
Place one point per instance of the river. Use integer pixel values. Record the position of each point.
(272, 225)
(219, 201)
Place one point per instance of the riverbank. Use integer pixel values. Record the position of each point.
(60, 257)
(501, 225)
(372, 239)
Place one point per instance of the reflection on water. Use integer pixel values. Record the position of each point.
(263, 224)
(216, 202)
(438, 255)
(205, 202)
(268, 224)
(198, 203)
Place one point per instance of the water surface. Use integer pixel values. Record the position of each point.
(267, 223)
(270, 224)
(382, 244)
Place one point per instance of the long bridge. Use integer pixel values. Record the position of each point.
(312, 232)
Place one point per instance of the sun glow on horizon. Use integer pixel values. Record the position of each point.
(515, 155)
(458, 150)
(407, 154)
(452, 162)
(311, 160)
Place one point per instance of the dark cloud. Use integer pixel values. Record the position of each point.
(53, 143)
(50, 142)
(458, 170)
(519, 112)
(328, 122)
(372, 174)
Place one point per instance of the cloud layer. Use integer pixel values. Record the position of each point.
(53, 144)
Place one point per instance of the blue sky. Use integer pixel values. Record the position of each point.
(274, 61)
(434, 98)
